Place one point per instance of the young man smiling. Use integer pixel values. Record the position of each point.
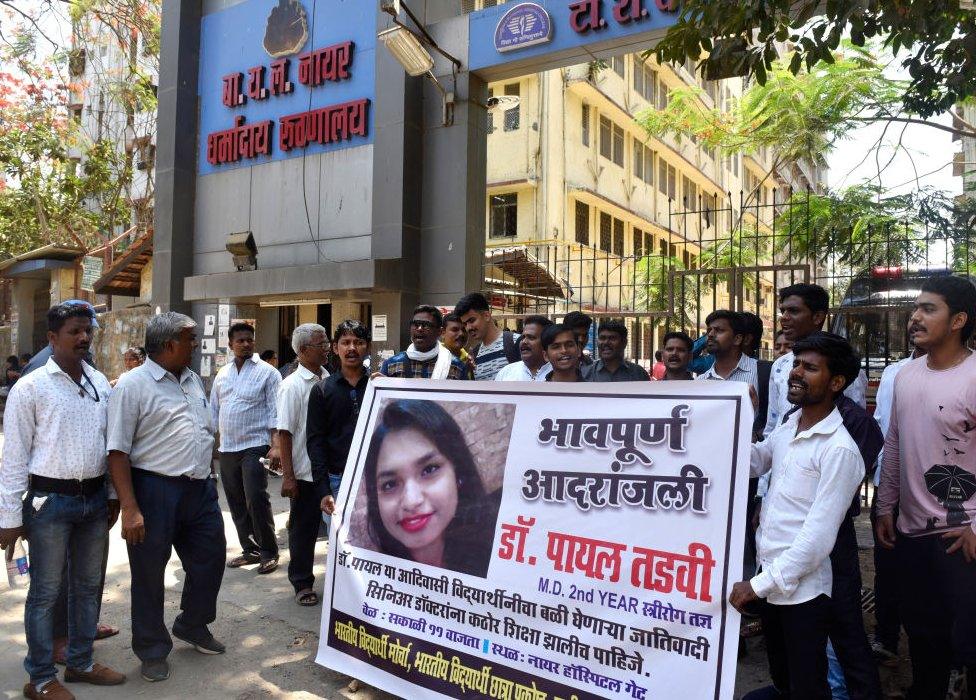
(496, 348)
(533, 366)
(817, 469)
(563, 352)
(426, 358)
(611, 341)
(930, 474)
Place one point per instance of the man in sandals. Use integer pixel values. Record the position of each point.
(311, 344)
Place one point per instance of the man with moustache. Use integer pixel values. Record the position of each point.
(677, 356)
(563, 352)
(930, 475)
(817, 469)
(311, 344)
(533, 366)
(454, 338)
(611, 341)
(725, 336)
(160, 442)
(333, 409)
(427, 357)
(55, 452)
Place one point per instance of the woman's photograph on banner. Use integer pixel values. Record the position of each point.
(432, 482)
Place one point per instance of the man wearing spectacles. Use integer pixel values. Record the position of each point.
(68, 510)
(427, 357)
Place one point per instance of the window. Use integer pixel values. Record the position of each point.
(606, 232)
(646, 82)
(685, 258)
(582, 223)
(638, 243)
(666, 177)
(618, 237)
(512, 115)
(711, 209)
(643, 163)
(586, 125)
(663, 247)
(617, 63)
(690, 193)
(504, 215)
(662, 96)
(611, 141)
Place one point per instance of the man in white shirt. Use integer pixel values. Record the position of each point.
(243, 402)
(54, 449)
(802, 311)
(816, 469)
(310, 343)
(533, 366)
(726, 333)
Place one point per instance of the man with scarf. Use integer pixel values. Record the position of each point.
(426, 358)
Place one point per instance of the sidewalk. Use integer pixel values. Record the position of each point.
(271, 641)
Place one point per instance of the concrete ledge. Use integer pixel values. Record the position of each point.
(324, 278)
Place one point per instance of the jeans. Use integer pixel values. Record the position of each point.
(183, 514)
(64, 531)
(835, 676)
(335, 480)
(246, 488)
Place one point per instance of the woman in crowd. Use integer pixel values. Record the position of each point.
(132, 358)
(426, 501)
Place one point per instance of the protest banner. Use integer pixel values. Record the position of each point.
(540, 541)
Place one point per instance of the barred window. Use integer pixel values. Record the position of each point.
(606, 232)
(638, 243)
(586, 125)
(503, 217)
(513, 116)
(582, 223)
(618, 237)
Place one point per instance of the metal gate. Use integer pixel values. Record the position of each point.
(735, 255)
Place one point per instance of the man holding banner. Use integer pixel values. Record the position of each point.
(816, 469)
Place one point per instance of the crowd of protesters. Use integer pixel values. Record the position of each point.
(81, 452)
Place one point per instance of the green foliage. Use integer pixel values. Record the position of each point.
(933, 39)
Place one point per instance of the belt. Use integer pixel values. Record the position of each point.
(67, 487)
(168, 477)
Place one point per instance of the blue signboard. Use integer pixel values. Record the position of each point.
(526, 24)
(282, 78)
(572, 25)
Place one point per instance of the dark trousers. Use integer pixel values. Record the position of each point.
(938, 609)
(846, 627)
(887, 619)
(304, 519)
(246, 488)
(796, 645)
(180, 513)
(61, 606)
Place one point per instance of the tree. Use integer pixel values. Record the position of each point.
(77, 122)
(935, 40)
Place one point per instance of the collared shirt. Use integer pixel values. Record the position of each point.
(293, 412)
(519, 372)
(400, 365)
(883, 403)
(779, 378)
(815, 474)
(161, 422)
(333, 408)
(244, 404)
(746, 371)
(51, 428)
(626, 372)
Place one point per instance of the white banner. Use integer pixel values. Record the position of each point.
(527, 540)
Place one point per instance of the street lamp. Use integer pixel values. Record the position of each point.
(409, 48)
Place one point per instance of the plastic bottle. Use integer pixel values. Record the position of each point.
(18, 570)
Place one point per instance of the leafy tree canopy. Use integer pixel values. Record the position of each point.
(934, 40)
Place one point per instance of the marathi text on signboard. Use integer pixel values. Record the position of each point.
(559, 541)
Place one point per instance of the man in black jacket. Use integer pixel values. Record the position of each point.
(333, 409)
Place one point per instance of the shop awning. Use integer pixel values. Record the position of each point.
(530, 274)
(124, 276)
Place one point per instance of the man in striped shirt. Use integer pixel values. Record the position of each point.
(496, 348)
(243, 402)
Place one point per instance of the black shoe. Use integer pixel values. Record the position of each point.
(202, 641)
(154, 670)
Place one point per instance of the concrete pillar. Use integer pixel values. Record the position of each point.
(176, 153)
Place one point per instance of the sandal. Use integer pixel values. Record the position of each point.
(307, 598)
(268, 566)
(105, 631)
(243, 560)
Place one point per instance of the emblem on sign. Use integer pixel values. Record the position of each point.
(526, 24)
(287, 29)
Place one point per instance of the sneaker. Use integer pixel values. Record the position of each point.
(202, 641)
(154, 670)
(99, 675)
(882, 654)
(53, 690)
